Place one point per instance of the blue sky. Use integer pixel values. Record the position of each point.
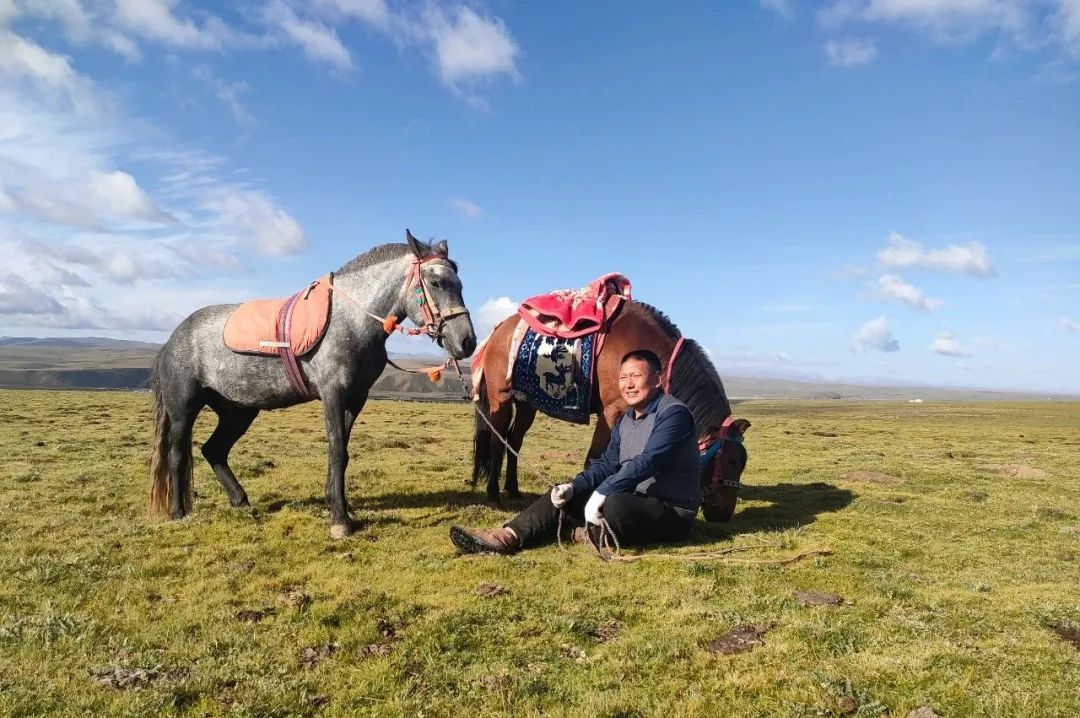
(875, 190)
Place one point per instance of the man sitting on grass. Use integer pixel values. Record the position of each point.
(646, 485)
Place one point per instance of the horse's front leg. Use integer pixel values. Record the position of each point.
(339, 423)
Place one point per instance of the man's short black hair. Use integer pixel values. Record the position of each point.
(645, 355)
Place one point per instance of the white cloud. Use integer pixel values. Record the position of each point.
(1069, 325)
(1024, 24)
(21, 58)
(902, 253)
(875, 335)
(319, 42)
(893, 288)
(492, 312)
(947, 345)
(252, 215)
(375, 12)
(65, 168)
(155, 20)
(17, 296)
(851, 52)
(469, 46)
(466, 208)
(116, 193)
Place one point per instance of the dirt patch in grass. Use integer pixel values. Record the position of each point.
(738, 640)
(1016, 471)
(558, 455)
(923, 712)
(816, 598)
(606, 631)
(1068, 632)
(873, 477)
(491, 590)
(314, 655)
(253, 615)
(124, 678)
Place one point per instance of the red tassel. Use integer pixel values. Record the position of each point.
(435, 375)
(389, 324)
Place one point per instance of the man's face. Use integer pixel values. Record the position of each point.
(637, 384)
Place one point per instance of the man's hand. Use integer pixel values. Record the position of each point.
(592, 508)
(561, 494)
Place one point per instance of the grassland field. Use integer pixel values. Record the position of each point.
(954, 530)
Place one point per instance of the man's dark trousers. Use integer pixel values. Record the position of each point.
(634, 518)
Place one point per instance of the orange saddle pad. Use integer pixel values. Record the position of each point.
(266, 326)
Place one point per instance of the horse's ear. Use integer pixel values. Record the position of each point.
(741, 425)
(442, 249)
(414, 245)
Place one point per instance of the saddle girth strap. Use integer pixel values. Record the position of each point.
(288, 357)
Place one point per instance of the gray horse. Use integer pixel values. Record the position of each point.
(195, 369)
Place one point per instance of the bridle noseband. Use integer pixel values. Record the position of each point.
(434, 316)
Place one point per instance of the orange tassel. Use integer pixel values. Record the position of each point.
(389, 324)
(435, 375)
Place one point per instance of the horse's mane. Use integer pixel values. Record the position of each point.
(375, 255)
(386, 252)
(694, 380)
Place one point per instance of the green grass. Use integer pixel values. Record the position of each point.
(953, 573)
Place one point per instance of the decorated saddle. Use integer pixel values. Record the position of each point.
(572, 313)
(289, 327)
(555, 344)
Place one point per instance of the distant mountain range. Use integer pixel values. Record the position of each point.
(100, 363)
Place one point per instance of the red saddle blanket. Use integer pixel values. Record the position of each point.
(571, 313)
(266, 326)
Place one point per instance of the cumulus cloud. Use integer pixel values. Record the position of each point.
(1069, 325)
(851, 52)
(492, 312)
(252, 215)
(469, 46)
(875, 335)
(903, 253)
(947, 345)
(893, 288)
(467, 208)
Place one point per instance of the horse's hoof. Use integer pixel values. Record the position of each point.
(340, 531)
(240, 503)
(513, 493)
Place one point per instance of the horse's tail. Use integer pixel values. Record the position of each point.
(160, 483)
(481, 432)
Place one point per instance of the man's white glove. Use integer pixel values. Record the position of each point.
(561, 494)
(592, 507)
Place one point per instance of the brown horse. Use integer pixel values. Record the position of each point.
(635, 325)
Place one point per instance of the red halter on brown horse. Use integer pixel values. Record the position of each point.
(634, 325)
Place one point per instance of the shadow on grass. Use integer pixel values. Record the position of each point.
(790, 505)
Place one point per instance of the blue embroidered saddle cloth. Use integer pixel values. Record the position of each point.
(555, 375)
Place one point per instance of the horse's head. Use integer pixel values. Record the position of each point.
(720, 475)
(434, 300)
